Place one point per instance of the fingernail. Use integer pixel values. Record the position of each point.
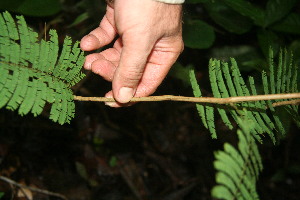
(87, 66)
(125, 94)
(111, 104)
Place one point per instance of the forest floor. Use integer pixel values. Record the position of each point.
(146, 151)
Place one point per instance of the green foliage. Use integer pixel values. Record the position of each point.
(228, 18)
(289, 24)
(266, 39)
(32, 7)
(247, 9)
(240, 17)
(33, 73)
(79, 19)
(113, 161)
(238, 169)
(277, 9)
(226, 81)
(198, 34)
(180, 72)
(1, 195)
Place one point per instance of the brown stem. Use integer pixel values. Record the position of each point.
(283, 103)
(213, 100)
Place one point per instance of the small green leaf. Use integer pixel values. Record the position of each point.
(229, 19)
(79, 19)
(81, 170)
(290, 24)
(222, 192)
(113, 161)
(277, 9)
(198, 35)
(247, 9)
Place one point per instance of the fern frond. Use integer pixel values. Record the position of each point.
(238, 169)
(218, 88)
(290, 83)
(201, 109)
(227, 81)
(32, 73)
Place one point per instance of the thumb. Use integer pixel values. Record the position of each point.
(131, 67)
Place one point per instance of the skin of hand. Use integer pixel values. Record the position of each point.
(149, 41)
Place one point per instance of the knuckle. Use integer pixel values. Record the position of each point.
(130, 76)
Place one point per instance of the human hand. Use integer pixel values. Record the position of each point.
(148, 44)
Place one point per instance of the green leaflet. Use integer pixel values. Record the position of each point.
(218, 88)
(32, 73)
(227, 81)
(197, 93)
(238, 168)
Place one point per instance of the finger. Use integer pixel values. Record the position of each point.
(116, 104)
(90, 59)
(159, 64)
(112, 104)
(104, 68)
(104, 63)
(166, 51)
(98, 57)
(111, 54)
(102, 35)
(131, 67)
(152, 78)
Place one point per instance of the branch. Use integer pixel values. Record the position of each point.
(12, 182)
(212, 100)
(283, 103)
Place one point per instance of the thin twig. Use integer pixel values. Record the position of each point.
(283, 103)
(213, 100)
(41, 191)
